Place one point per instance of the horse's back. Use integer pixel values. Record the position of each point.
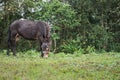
(30, 29)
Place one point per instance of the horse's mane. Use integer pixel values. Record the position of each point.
(42, 26)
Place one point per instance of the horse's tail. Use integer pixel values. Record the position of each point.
(9, 40)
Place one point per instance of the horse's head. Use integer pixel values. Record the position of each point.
(45, 49)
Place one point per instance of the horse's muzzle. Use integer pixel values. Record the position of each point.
(45, 54)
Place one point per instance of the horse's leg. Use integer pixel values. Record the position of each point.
(40, 43)
(13, 42)
(14, 47)
(9, 47)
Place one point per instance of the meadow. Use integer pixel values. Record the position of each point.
(29, 66)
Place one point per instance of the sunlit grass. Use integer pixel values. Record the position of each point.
(29, 66)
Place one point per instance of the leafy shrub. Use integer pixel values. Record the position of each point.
(89, 49)
(70, 46)
(79, 52)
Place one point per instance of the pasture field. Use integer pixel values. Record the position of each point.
(29, 66)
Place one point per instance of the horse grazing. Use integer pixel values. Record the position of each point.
(30, 30)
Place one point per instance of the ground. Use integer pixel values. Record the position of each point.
(105, 66)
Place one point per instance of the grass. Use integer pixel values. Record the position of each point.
(29, 66)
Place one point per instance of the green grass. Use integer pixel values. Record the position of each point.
(60, 67)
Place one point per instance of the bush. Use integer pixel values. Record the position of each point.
(89, 49)
(70, 46)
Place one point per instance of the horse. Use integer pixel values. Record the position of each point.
(29, 30)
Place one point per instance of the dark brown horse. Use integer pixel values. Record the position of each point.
(30, 30)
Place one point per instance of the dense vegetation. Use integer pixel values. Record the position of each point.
(60, 66)
(76, 25)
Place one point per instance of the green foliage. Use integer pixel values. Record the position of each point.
(70, 46)
(89, 49)
(78, 24)
(97, 26)
(56, 12)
